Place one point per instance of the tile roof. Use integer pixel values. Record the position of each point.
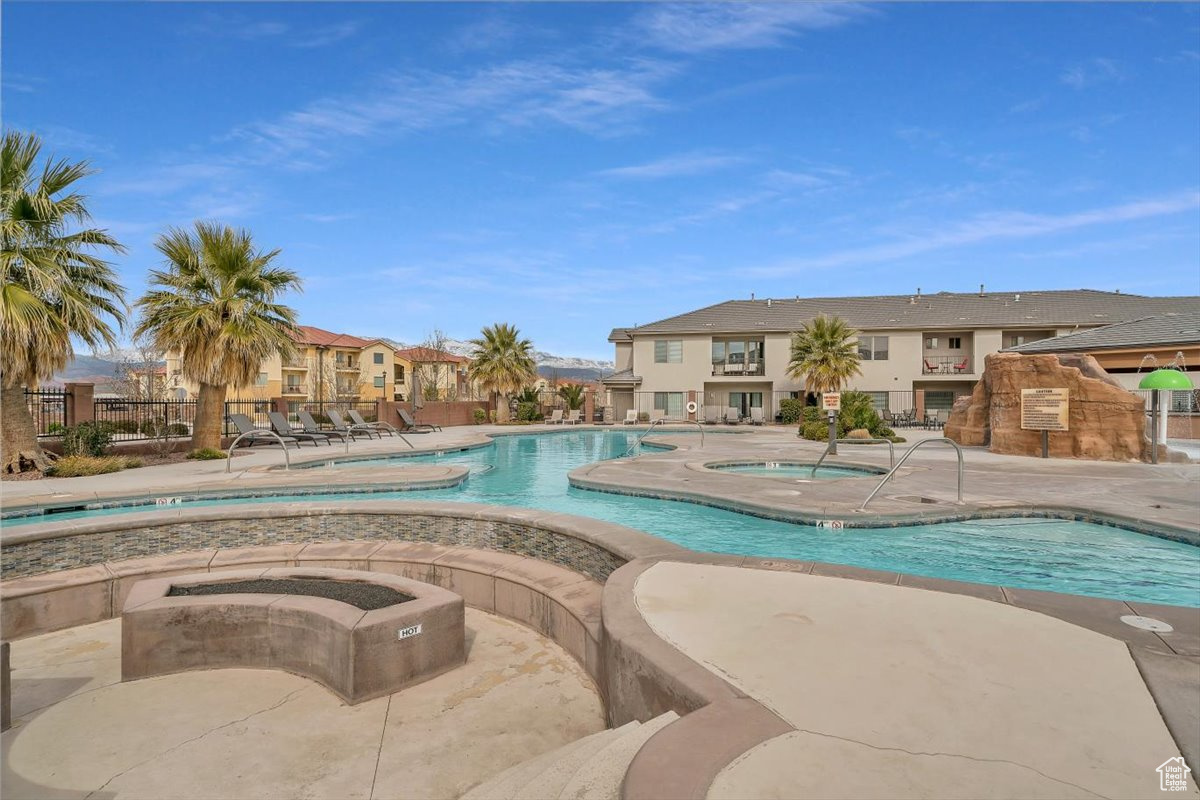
(324, 338)
(945, 310)
(620, 335)
(623, 377)
(428, 355)
(1164, 330)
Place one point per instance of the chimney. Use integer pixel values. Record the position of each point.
(981, 290)
(752, 295)
(918, 292)
(1017, 299)
(768, 302)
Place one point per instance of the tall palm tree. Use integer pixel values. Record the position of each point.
(572, 395)
(502, 362)
(824, 354)
(215, 304)
(52, 285)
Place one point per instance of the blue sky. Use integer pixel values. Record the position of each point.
(574, 167)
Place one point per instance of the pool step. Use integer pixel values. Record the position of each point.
(591, 768)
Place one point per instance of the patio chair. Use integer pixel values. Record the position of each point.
(961, 366)
(712, 415)
(574, 417)
(756, 416)
(943, 416)
(909, 417)
(732, 416)
(657, 414)
(280, 425)
(381, 427)
(556, 417)
(412, 426)
(631, 417)
(311, 426)
(258, 435)
(339, 425)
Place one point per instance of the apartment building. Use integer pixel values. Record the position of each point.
(337, 367)
(735, 354)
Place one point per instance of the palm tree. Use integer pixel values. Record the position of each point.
(215, 305)
(572, 395)
(824, 355)
(502, 362)
(52, 286)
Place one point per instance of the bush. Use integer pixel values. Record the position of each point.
(55, 429)
(479, 415)
(156, 427)
(813, 414)
(207, 454)
(816, 431)
(87, 439)
(77, 466)
(643, 416)
(791, 410)
(528, 412)
(121, 425)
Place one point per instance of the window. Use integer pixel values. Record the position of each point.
(718, 353)
(378, 358)
(873, 348)
(936, 401)
(879, 400)
(399, 373)
(670, 402)
(668, 351)
(954, 343)
(737, 357)
(744, 401)
(261, 380)
(931, 343)
(1013, 341)
(378, 381)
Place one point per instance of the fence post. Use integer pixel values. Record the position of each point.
(381, 407)
(279, 404)
(919, 404)
(80, 403)
(589, 406)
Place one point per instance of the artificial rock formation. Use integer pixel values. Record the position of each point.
(1106, 422)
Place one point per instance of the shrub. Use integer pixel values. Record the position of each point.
(528, 412)
(121, 425)
(87, 439)
(479, 415)
(857, 413)
(791, 410)
(76, 466)
(643, 416)
(156, 427)
(813, 414)
(816, 431)
(859, 433)
(55, 429)
(207, 454)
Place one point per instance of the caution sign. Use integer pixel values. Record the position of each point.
(1044, 409)
(831, 401)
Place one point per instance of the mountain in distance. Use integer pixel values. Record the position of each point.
(548, 364)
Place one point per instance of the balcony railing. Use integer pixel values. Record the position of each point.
(295, 363)
(739, 370)
(293, 389)
(945, 365)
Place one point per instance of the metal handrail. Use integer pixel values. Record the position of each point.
(905, 457)
(829, 447)
(287, 459)
(368, 426)
(664, 421)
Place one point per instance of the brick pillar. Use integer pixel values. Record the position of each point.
(589, 406)
(381, 410)
(919, 404)
(280, 404)
(81, 405)
(692, 399)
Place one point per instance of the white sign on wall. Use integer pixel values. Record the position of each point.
(831, 401)
(406, 633)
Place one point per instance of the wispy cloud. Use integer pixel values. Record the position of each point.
(1091, 72)
(237, 26)
(324, 36)
(492, 32)
(21, 82)
(989, 227)
(326, 219)
(695, 163)
(518, 94)
(738, 26)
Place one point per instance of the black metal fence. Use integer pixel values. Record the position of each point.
(48, 407)
(319, 409)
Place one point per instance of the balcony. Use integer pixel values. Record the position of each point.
(946, 365)
(752, 370)
(293, 388)
(346, 366)
(295, 363)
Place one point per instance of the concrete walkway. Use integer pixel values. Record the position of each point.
(898, 692)
(79, 732)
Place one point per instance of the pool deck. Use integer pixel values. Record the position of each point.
(866, 683)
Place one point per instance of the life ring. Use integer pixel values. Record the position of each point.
(691, 406)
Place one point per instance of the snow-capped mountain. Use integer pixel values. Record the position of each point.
(567, 366)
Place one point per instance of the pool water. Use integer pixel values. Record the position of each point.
(1054, 555)
(803, 472)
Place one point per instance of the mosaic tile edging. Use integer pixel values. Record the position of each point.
(1170, 533)
(41, 556)
(868, 470)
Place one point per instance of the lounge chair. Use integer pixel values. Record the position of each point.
(631, 417)
(281, 426)
(258, 435)
(556, 417)
(311, 426)
(657, 414)
(381, 427)
(732, 416)
(412, 426)
(712, 415)
(756, 416)
(574, 417)
(340, 426)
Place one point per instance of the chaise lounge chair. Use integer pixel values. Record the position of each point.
(311, 426)
(280, 425)
(556, 417)
(574, 417)
(631, 418)
(657, 414)
(756, 416)
(258, 435)
(381, 427)
(340, 426)
(732, 416)
(412, 426)
(712, 415)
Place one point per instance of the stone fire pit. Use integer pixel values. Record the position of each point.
(360, 634)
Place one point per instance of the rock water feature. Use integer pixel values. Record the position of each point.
(1105, 421)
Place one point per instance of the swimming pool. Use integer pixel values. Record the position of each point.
(1054, 555)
